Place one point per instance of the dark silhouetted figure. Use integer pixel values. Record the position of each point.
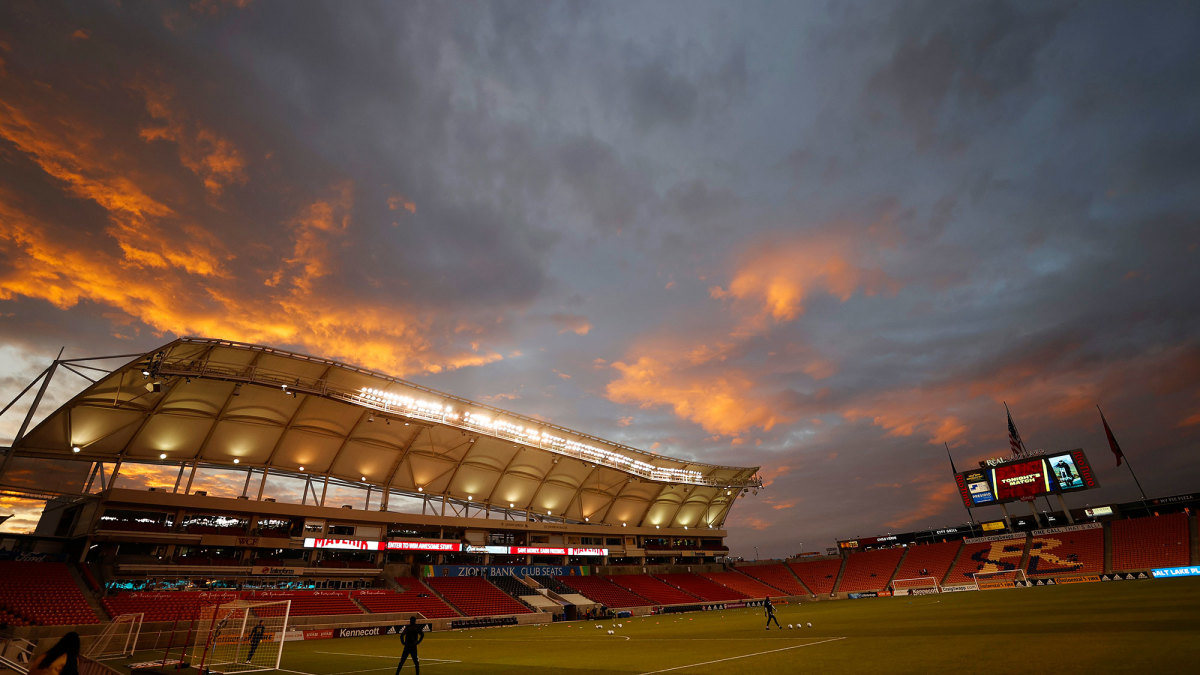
(256, 636)
(410, 637)
(61, 659)
(770, 609)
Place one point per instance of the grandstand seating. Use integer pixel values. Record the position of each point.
(934, 559)
(747, 586)
(705, 589)
(869, 570)
(164, 605)
(474, 596)
(986, 556)
(605, 592)
(778, 576)
(649, 587)
(41, 594)
(1146, 543)
(513, 587)
(818, 575)
(414, 596)
(309, 603)
(1080, 551)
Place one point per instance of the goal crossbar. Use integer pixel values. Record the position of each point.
(900, 585)
(1014, 578)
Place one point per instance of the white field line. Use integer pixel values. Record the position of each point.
(743, 656)
(393, 657)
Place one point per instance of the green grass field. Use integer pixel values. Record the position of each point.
(1148, 626)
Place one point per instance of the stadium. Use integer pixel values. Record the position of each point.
(208, 486)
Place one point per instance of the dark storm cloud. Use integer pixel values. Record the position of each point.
(820, 239)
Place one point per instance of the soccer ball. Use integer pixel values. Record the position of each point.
(599, 626)
(610, 632)
(810, 624)
(790, 626)
(620, 625)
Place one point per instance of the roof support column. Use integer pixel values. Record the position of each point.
(263, 485)
(178, 478)
(191, 477)
(324, 490)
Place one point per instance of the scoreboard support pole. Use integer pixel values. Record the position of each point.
(1036, 519)
(1007, 518)
(1063, 503)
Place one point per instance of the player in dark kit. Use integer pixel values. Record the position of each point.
(256, 636)
(410, 637)
(771, 614)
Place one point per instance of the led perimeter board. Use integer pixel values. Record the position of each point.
(1025, 478)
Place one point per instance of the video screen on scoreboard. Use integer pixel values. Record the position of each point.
(1020, 479)
(978, 488)
(1066, 472)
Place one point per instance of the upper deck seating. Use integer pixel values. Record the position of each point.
(776, 575)
(705, 589)
(1146, 543)
(870, 570)
(928, 560)
(747, 586)
(818, 575)
(42, 594)
(649, 587)
(474, 596)
(1079, 552)
(605, 592)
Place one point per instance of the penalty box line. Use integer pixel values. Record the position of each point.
(743, 656)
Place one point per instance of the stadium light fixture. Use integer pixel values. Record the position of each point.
(420, 489)
(624, 524)
(145, 373)
(76, 449)
(470, 498)
(162, 455)
(236, 460)
(511, 505)
(371, 417)
(301, 468)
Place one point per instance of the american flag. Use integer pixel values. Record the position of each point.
(1014, 438)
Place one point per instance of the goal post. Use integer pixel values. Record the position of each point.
(119, 637)
(918, 586)
(241, 636)
(987, 581)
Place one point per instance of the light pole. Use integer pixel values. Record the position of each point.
(756, 553)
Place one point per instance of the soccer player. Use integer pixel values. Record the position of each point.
(771, 614)
(256, 635)
(410, 637)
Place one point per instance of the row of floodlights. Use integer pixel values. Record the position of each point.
(530, 435)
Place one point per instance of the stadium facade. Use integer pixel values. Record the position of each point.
(213, 457)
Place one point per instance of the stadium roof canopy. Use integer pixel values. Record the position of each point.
(208, 402)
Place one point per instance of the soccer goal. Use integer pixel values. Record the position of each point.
(916, 586)
(119, 637)
(987, 581)
(242, 636)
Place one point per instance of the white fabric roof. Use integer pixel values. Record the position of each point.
(219, 401)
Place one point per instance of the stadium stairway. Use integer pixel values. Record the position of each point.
(1194, 533)
(1108, 548)
(953, 563)
(899, 564)
(89, 594)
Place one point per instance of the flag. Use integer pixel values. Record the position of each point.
(1112, 440)
(1014, 438)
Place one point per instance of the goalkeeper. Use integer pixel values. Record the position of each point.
(256, 636)
(410, 637)
(770, 609)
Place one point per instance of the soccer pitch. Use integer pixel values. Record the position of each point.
(1150, 626)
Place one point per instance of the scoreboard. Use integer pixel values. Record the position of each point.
(1025, 478)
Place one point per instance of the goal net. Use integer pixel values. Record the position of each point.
(242, 636)
(119, 638)
(986, 581)
(915, 586)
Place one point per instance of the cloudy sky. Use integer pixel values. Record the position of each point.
(824, 238)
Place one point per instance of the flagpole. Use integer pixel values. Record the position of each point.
(970, 516)
(1123, 456)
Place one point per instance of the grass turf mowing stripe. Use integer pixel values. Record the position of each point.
(743, 656)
